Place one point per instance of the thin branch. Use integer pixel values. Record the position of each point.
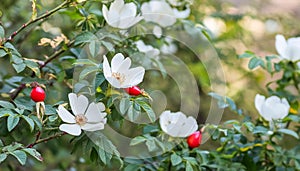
(38, 141)
(43, 16)
(55, 55)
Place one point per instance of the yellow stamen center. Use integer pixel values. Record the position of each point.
(120, 77)
(81, 119)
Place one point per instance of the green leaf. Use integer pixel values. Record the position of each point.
(84, 38)
(99, 79)
(108, 46)
(94, 48)
(188, 167)
(2, 32)
(289, 132)
(34, 153)
(255, 62)
(6, 104)
(20, 156)
(85, 62)
(137, 140)
(247, 54)
(86, 71)
(260, 130)
(124, 105)
(151, 145)
(2, 53)
(3, 156)
(148, 110)
(175, 159)
(19, 67)
(34, 67)
(12, 122)
(29, 121)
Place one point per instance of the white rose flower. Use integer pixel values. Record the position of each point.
(147, 49)
(272, 108)
(121, 15)
(158, 12)
(290, 49)
(177, 124)
(88, 117)
(119, 74)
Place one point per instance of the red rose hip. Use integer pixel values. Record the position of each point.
(194, 140)
(37, 94)
(134, 91)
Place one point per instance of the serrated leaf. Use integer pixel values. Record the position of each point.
(12, 122)
(247, 54)
(99, 79)
(20, 156)
(84, 38)
(255, 62)
(19, 67)
(3, 156)
(94, 48)
(289, 132)
(188, 167)
(2, 53)
(124, 105)
(34, 67)
(86, 71)
(175, 159)
(2, 32)
(108, 46)
(29, 121)
(137, 140)
(150, 143)
(6, 104)
(85, 62)
(148, 110)
(34, 153)
(37, 122)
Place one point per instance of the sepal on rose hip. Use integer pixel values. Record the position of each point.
(136, 91)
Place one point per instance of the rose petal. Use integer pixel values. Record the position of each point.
(93, 127)
(65, 115)
(94, 114)
(72, 129)
(78, 104)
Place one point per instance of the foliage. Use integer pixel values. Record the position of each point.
(66, 56)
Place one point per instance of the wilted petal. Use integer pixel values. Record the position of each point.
(78, 104)
(93, 127)
(72, 129)
(65, 115)
(93, 113)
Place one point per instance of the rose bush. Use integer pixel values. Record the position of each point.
(99, 87)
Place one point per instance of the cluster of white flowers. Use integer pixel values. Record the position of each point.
(124, 15)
